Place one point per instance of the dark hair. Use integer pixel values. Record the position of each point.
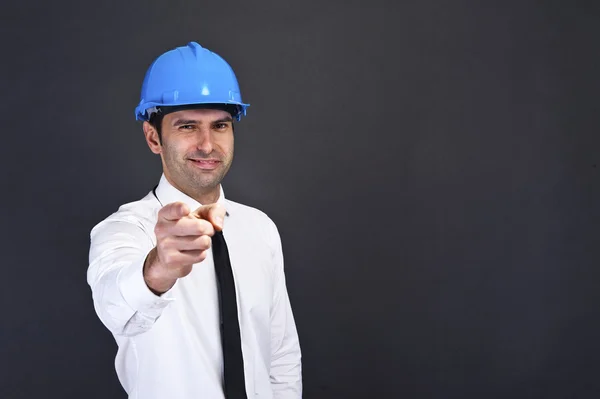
(157, 117)
(156, 121)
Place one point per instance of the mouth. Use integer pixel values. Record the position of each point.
(205, 164)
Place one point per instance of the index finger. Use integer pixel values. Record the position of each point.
(173, 211)
(214, 213)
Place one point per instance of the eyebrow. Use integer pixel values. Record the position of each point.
(226, 119)
(181, 122)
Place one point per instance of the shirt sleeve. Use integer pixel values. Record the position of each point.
(122, 300)
(286, 368)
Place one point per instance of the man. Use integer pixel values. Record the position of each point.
(191, 284)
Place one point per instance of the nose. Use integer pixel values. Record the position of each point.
(205, 140)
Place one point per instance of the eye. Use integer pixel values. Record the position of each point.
(221, 126)
(186, 127)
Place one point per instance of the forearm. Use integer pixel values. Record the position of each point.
(286, 376)
(286, 366)
(286, 358)
(122, 300)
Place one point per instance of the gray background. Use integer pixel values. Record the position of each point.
(432, 167)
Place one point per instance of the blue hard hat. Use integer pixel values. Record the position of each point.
(189, 75)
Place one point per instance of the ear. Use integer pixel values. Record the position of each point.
(152, 138)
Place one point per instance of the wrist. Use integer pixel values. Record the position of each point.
(154, 279)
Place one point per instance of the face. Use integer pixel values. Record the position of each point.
(196, 150)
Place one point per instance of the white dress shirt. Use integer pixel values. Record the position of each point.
(170, 345)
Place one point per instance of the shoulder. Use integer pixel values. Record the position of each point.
(141, 214)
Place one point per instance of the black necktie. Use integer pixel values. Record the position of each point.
(234, 386)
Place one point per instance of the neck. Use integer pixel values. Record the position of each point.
(209, 196)
(206, 198)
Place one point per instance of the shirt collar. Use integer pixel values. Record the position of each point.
(167, 194)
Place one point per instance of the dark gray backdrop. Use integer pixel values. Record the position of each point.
(432, 167)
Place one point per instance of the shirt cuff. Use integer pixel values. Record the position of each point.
(136, 293)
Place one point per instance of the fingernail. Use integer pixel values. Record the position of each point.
(219, 221)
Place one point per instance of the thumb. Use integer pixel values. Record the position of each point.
(214, 213)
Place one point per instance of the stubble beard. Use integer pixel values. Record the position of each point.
(194, 182)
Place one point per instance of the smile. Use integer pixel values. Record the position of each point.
(205, 164)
